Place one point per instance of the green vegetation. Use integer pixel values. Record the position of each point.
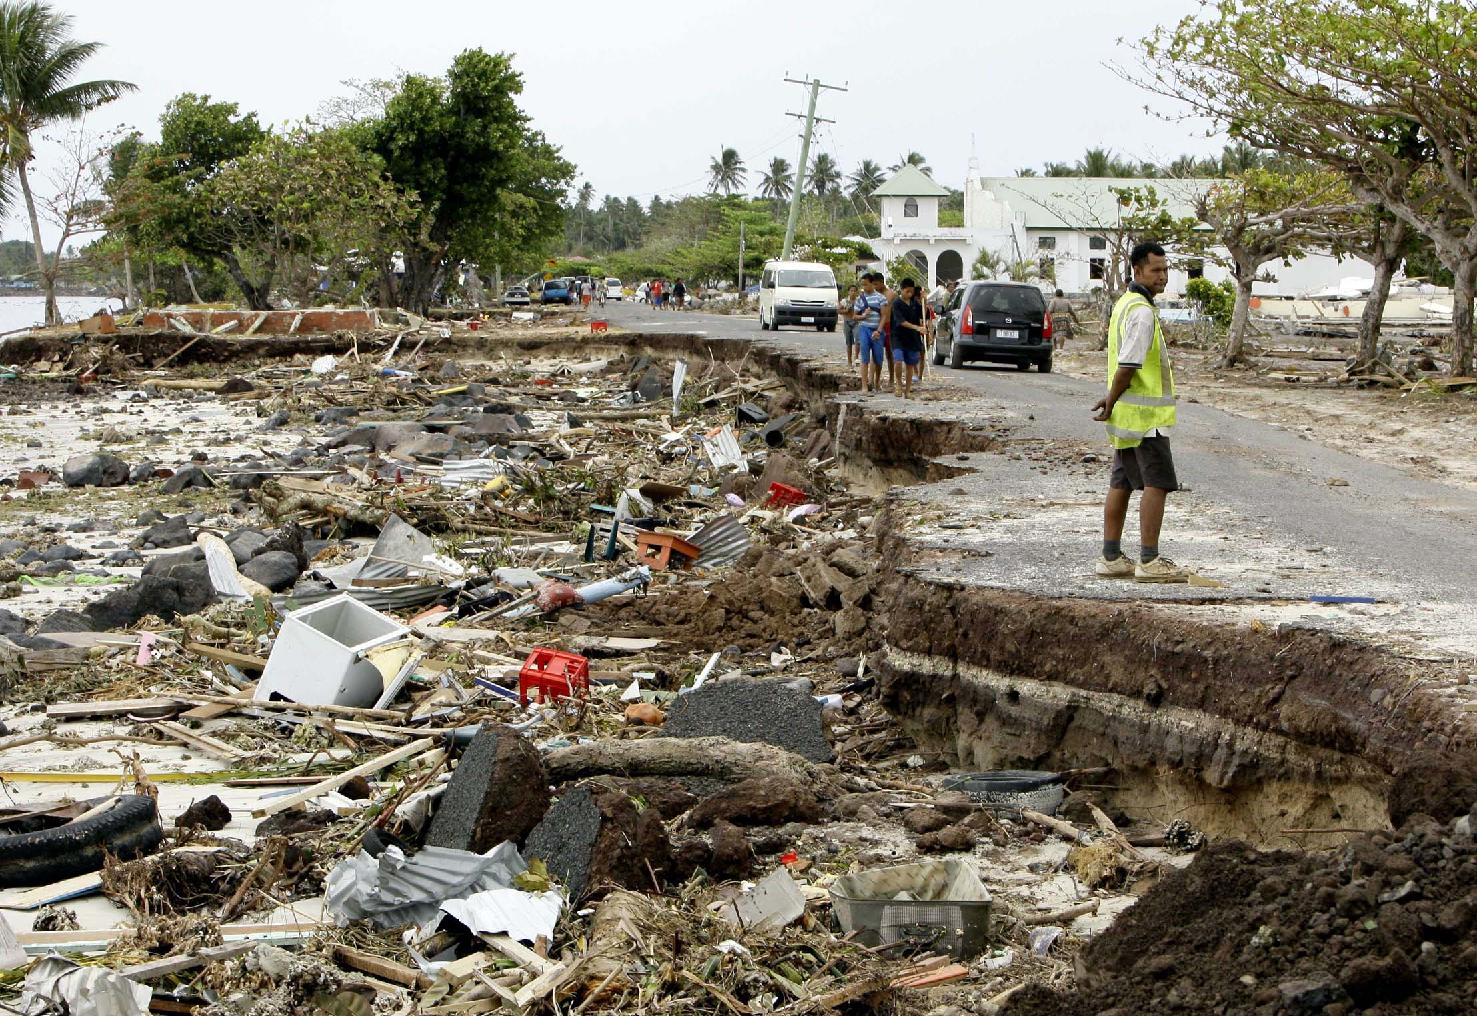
(1214, 299)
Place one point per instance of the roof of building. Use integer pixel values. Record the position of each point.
(911, 182)
(1084, 202)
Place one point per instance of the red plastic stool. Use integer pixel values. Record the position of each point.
(551, 674)
(782, 495)
(599, 327)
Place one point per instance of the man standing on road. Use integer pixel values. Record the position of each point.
(908, 330)
(679, 295)
(868, 311)
(1139, 410)
(1063, 317)
(848, 326)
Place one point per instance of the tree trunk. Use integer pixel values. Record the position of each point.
(422, 273)
(256, 295)
(48, 278)
(130, 298)
(1240, 318)
(1461, 318)
(714, 757)
(1374, 311)
(190, 281)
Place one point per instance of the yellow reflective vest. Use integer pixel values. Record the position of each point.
(1149, 401)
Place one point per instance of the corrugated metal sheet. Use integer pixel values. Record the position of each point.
(464, 472)
(723, 541)
(394, 890)
(378, 597)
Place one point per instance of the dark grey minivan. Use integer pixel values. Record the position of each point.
(1005, 322)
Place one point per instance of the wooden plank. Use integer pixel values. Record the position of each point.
(261, 317)
(56, 892)
(41, 942)
(380, 967)
(189, 961)
(519, 953)
(334, 782)
(111, 707)
(932, 978)
(202, 742)
(242, 660)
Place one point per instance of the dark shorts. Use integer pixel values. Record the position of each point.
(907, 356)
(1148, 465)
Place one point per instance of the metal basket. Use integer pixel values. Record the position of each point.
(942, 906)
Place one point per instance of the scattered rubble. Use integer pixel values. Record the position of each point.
(455, 677)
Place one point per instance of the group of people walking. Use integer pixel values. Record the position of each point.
(663, 295)
(888, 326)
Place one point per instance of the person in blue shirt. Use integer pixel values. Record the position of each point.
(868, 311)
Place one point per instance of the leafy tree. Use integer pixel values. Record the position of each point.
(987, 264)
(1216, 300)
(1025, 171)
(726, 172)
(1380, 91)
(865, 179)
(488, 186)
(160, 193)
(305, 207)
(38, 59)
(1263, 216)
(825, 175)
(777, 182)
(915, 159)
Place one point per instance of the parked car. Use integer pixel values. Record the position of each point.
(614, 290)
(1005, 322)
(516, 296)
(557, 291)
(797, 293)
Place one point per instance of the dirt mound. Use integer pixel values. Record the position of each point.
(1384, 925)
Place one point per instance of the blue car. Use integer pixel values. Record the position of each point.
(557, 291)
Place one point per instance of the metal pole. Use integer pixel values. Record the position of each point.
(815, 91)
(741, 261)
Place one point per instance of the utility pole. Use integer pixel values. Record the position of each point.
(741, 261)
(815, 85)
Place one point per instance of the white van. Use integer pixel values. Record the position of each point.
(797, 293)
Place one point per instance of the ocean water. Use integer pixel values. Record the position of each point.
(25, 311)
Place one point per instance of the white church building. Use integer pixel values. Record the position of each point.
(1064, 225)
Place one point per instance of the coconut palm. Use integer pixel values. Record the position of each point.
(915, 159)
(866, 178)
(1102, 162)
(777, 181)
(38, 59)
(824, 175)
(726, 172)
(1239, 158)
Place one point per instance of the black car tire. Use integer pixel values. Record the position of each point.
(1044, 365)
(1023, 365)
(127, 830)
(938, 356)
(956, 356)
(831, 327)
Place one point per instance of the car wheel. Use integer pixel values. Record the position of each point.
(831, 327)
(1044, 365)
(763, 324)
(1023, 365)
(127, 830)
(938, 355)
(956, 356)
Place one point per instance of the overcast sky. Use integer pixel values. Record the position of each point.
(641, 96)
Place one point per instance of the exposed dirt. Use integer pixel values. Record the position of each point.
(1383, 926)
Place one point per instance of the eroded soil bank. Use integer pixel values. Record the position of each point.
(1276, 734)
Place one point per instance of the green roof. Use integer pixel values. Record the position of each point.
(911, 182)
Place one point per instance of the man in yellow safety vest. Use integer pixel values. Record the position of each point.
(1139, 410)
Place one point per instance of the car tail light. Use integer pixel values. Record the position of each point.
(1046, 329)
(966, 323)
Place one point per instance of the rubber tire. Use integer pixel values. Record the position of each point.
(1023, 365)
(822, 328)
(127, 830)
(831, 327)
(956, 356)
(763, 325)
(938, 358)
(1044, 366)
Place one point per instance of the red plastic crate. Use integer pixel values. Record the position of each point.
(552, 674)
(782, 495)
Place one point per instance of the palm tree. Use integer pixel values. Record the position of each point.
(1025, 171)
(1097, 162)
(1240, 157)
(865, 179)
(582, 203)
(912, 159)
(824, 174)
(726, 173)
(777, 181)
(37, 61)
